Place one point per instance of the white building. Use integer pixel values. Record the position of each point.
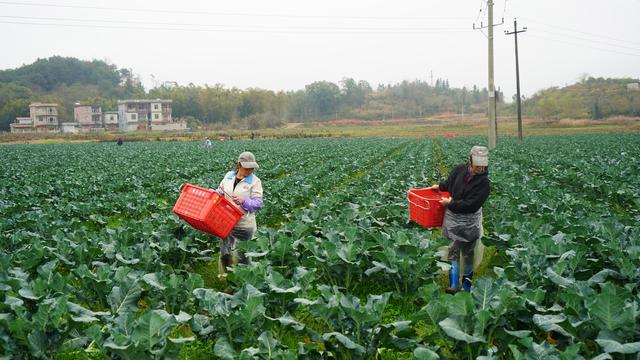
(145, 115)
(110, 119)
(69, 127)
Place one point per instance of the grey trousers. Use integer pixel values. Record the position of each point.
(228, 244)
(466, 249)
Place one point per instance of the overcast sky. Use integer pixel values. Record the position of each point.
(283, 45)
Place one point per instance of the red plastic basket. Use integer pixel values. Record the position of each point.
(205, 210)
(425, 208)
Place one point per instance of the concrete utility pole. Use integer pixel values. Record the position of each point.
(515, 35)
(493, 128)
(492, 88)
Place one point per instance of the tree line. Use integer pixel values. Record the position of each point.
(68, 80)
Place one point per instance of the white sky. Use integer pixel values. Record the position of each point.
(283, 45)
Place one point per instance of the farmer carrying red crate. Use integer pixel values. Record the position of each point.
(244, 188)
(469, 187)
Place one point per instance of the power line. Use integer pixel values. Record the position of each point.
(247, 30)
(600, 42)
(582, 32)
(504, 10)
(135, 22)
(193, 12)
(482, 6)
(583, 45)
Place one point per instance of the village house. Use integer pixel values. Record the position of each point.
(88, 117)
(132, 115)
(43, 117)
(146, 115)
(110, 120)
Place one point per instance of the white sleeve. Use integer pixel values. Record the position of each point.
(256, 190)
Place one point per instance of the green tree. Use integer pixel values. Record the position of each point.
(548, 106)
(13, 98)
(322, 97)
(596, 113)
(12, 109)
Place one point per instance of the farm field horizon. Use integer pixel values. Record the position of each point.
(440, 125)
(94, 264)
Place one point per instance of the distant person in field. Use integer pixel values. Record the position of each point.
(119, 142)
(207, 142)
(244, 188)
(469, 187)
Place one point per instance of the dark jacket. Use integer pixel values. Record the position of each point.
(467, 195)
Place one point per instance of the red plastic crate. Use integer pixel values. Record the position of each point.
(205, 210)
(425, 208)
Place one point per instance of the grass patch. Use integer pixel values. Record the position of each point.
(484, 269)
(209, 273)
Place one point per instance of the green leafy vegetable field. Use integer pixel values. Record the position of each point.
(94, 264)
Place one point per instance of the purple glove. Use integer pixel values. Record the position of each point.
(252, 204)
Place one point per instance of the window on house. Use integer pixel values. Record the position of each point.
(155, 116)
(50, 111)
(52, 119)
(133, 116)
(155, 106)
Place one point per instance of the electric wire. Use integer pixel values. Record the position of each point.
(193, 12)
(504, 10)
(581, 45)
(135, 22)
(599, 42)
(482, 5)
(244, 30)
(580, 31)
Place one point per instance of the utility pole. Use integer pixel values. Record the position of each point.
(515, 36)
(493, 129)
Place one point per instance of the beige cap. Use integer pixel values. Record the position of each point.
(248, 160)
(479, 156)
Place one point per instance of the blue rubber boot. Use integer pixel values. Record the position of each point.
(466, 282)
(454, 276)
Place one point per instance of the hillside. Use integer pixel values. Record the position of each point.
(595, 98)
(63, 80)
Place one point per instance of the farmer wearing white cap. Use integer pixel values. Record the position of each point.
(462, 226)
(244, 188)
